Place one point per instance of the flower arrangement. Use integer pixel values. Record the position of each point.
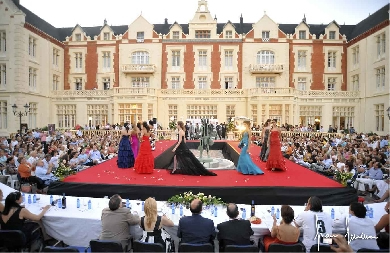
(172, 124)
(343, 177)
(63, 171)
(187, 197)
(230, 126)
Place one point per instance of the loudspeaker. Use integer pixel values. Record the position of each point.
(154, 121)
(226, 85)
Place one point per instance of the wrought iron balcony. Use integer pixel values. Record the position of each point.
(266, 68)
(139, 68)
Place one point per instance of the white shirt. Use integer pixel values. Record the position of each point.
(307, 220)
(362, 227)
(95, 155)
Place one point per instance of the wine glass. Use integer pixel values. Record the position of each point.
(341, 210)
(85, 203)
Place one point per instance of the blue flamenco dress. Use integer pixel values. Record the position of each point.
(125, 154)
(245, 164)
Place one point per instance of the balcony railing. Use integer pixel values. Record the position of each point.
(135, 91)
(81, 93)
(139, 68)
(203, 92)
(266, 68)
(302, 93)
(271, 91)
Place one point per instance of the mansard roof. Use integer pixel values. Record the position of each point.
(351, 31)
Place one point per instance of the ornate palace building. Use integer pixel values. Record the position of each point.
(329, 74)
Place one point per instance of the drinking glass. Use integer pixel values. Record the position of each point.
(85, 203)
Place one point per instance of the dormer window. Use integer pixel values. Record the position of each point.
(175, 35)
(265, 34)
(332, 35)
(140, 37)
(106, 36)
(78, 36)
(228, 34)
(202, 34)
(302, 35)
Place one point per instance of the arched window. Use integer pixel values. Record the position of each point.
(265, 57)
(140, 57)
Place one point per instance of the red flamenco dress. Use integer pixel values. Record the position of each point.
(275, 159)
(144, 163)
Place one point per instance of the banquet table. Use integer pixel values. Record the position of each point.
(77, 226)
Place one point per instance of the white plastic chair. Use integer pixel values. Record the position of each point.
(13, 183)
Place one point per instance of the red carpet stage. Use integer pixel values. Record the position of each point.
(292, 187)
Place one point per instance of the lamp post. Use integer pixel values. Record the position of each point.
(20, 114)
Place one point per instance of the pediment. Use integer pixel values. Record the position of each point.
(78, 30)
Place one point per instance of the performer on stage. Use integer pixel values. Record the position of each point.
(144, 164)
(245, 164)
(125, 153)
(275, 159)
(134, 140)
(264, 140)
(152, 137)
(184, 161)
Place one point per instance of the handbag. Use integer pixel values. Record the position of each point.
(26, 188)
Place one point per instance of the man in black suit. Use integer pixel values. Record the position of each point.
(235, 231)
(195, 228)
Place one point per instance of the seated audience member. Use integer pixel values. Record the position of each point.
(116, 221)
(360, 225)
(285, 233)
(383, 223)
(25, 169)
(44, 173)
(14, 217)
(235, 231)
(195, 228)
(374, 173)
(10, 168)
(151, 223)
(307, 220)
(381, 189)
(1, 200)
(95, 155)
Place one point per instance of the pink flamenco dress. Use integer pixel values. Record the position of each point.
(134, 144)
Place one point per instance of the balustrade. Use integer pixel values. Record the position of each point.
(138, 68)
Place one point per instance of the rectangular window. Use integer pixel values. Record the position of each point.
(78, 61)
(78, 36)
(265, 35)
(302, 35)
(106, 61)
(383, 38)
(32, 78)
(229, 82)
(32, 47)
(202, 111)
(175, 82)
(332, 60)
(140, 57)
(3, 114)
(176, 59)
(140, 36)
(355, 55)
(78, 84)
(56, 82)
(265, 82)
(66, 116)
(172, 112)
(380, 79)
(331, 84)
(106, 36)
(106, 83)
(301, 83)
(56, 56)
(379, 117)
(140, 82)
(332, 35)
(98, 114)
(203, 59)
(3, 76)
(202, 82)
(3, 41)
(228, 34)
(301, 60)
(175, 35)
(202, 34)
(230, 112)
(32, 115)
(254, 114)
(229, 59)
(355, 83)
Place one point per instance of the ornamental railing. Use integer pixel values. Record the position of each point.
(138, 68)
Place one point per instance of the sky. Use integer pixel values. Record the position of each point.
(68, 13)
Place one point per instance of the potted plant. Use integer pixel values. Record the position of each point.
(172, 127)
(230, 128)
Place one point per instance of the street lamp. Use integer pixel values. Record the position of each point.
(20, 114)
(388, 112)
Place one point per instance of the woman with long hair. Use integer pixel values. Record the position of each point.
(134, 140)
(125, 153)
(245, 164)
(184, 161)
(152, 137)
(144, 163)
(152, 223)
(275, 159)
(14, 216)
(264, 140)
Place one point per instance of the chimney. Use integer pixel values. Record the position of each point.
(215, 18)
(241, 19)
(166, 21)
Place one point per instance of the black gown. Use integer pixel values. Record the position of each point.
(264, 148)
(187, 163)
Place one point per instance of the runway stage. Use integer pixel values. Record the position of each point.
(292, 187)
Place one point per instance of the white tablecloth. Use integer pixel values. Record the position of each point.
(77, 226)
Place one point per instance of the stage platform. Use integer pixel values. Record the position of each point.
(292, 187)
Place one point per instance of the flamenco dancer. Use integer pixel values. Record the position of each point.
(264, 140)
(275, 159)
(125, 153)
(152, 137)
(144, 164)
(134, 140)
(245, 164)
(184, 161)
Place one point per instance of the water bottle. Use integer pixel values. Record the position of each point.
(143, 205)
(29, 199)
(371, 213)
(173, 208)
(253, 210)
(244, 214)
(277, 213)
(24, 198)
(181, 210)
(212, 210)
(332, 213)
(59, 202)
(127, 203)
(78, 203)
(272, 210)
(215, 212)
(367, 211)
(89, 205)
(63, 201)
(51, 200)
(34, 198)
